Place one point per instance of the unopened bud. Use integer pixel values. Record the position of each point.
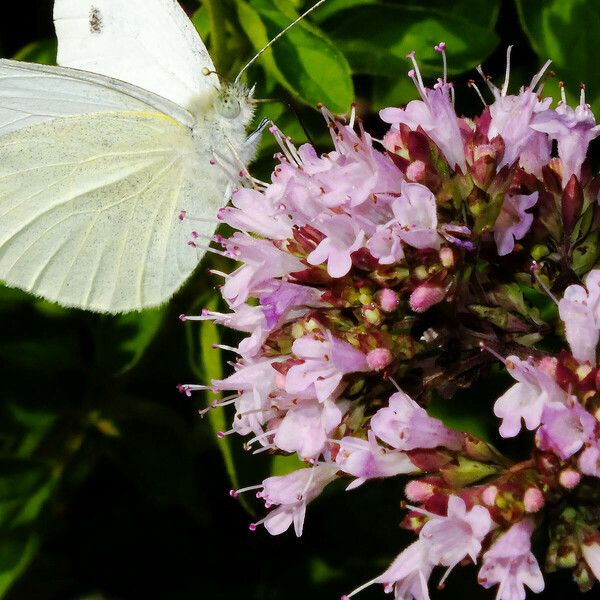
(533, 500)
(372, 314)
(425, 296)
(379, 359)
(388, 300)
(569, 478)
(416, 171)
(418, 491)
(489, 495)
(447, 257)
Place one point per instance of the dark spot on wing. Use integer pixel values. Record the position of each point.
(95, 20)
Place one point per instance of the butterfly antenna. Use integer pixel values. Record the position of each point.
(280, 34)
(292, 108)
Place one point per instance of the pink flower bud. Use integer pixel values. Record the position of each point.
(533, 500)
(447, 257)
(425, 296)
(388, 300)
(418, 491)
(379, 359)
(416, 171)
(392, 140)
(489, 495)
(569, 478)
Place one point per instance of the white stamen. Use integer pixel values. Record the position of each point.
(486, 348)
(473, 85)
(364, 586)
(416, 74)
(352, 116)
(563, 95)
(540, 74)
(441, 48)
(534, 272)
(395, 384)
(488, 82)
(274, 130)
(262, 436)
(248, 489)
(224, 347)
(507, 73)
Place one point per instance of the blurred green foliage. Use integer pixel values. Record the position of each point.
(110, 483)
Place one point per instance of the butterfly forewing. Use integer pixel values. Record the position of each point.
(150, 43)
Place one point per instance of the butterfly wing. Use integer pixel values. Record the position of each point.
(90, 194)
(149, 43)
(32, 93)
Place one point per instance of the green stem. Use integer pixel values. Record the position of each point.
(218, 33)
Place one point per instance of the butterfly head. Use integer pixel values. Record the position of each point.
(233, 103)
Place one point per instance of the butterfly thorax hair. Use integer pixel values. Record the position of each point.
(226, 113)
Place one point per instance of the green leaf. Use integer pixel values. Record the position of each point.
(43, 52)
(282, 465)
(566, 31)
(17, 550)
(201, 21)
(143, 327)
(485, 14)
(122, 340)
(304, 61)
(377, 37)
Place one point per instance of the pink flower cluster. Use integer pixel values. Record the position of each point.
(360, 267)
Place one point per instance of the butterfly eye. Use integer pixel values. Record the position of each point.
(228, 107)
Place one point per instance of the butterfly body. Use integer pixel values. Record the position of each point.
(99, 156)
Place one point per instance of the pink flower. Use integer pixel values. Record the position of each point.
(514, 117)
(254, 382)
(325, 362)
(257, 213)
(404, 425)
(262, 261)
(511, 564)
(367, 460)
(579, 309)
(414, 222)
(409, 573)
(435, 114)
(526, 400)
(250, 319)
(459, 534)
(573, 129)
(513, 222)
(565, 429)
(292, 493)
(305, 427)
(343, 237)
(407, 576)
(282, 301)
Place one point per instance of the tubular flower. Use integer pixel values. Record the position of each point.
(378, 280)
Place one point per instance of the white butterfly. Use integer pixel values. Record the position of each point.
(97, 157)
